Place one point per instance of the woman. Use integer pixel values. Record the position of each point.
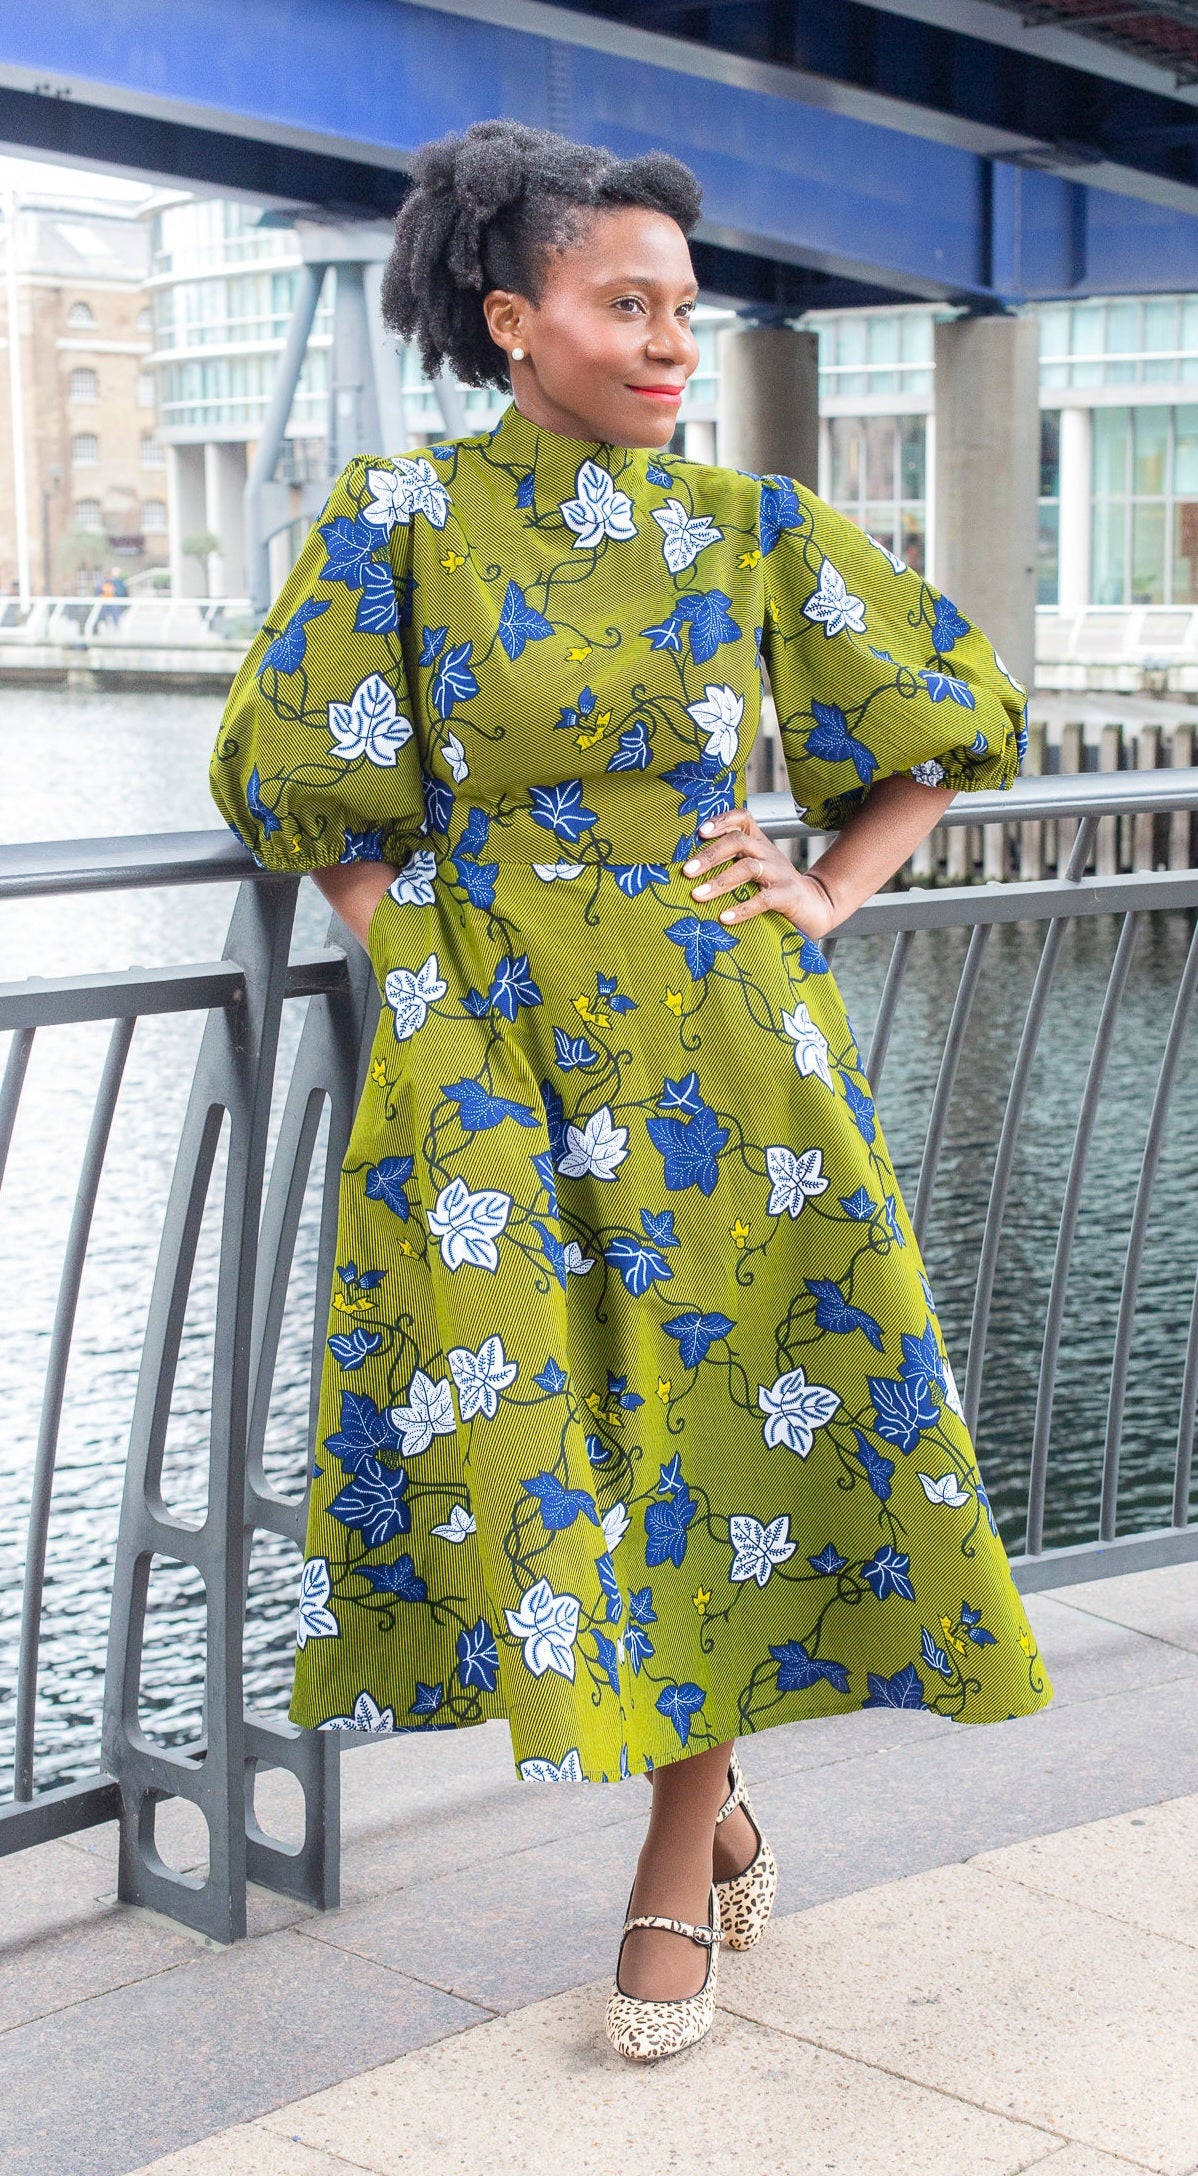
(637, 1426)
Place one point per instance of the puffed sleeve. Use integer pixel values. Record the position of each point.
(872, 670)
(317, 760)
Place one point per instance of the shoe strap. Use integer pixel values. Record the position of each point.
(708, 1937)
(737, 1795)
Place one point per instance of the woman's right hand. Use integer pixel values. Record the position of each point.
(353, 890)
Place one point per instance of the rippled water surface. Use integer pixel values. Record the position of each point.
(73, 765)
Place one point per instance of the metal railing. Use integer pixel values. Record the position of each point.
(242, 996)
(157, 622)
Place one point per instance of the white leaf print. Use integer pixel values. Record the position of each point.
(598, 510)
(900, 565)
(576, 1261)
(481, 1375)
(316, 1620)
(410, 995)
(758, 1548)
(929, 773)
(428, 1413)
(795, 1408)
(719, 715)
(952, 1396)
(832, 606)
(796, 1179)
(811, 1048)
(596, 1148)
(947, 1490)
(616, 1523)
(567, 1770)
(683, 536)
(467, 1225)
(369, 724)
(410, 487)
(456, 1527)
(367, 1715)
(455, 756)
(413, 886)
(548, 870)
(548, 1625)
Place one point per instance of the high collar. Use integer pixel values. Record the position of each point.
(525, 446)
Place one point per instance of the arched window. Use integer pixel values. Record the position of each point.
(85, 449)
(84, 385)
(153, 517)
(81, 314)
(87, 514)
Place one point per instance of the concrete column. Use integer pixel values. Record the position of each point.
(224, 490)
(354, 417)
(1074, 590)
(988, 477)
(768, 401)
(187, 516)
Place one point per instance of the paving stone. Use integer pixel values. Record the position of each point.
(971, 1983)
(541, 2091)
(112, 2083)
(250, 2151)
(1137, 1867)
(1079, 2161)
(1089, 1654)
(62, 1942)
(1162, 1603)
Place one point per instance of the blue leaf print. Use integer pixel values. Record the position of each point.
(363, 846)
(974, 1629)
(453, 681)
(477, 879)
(833, 1311)
(438, 802)
(639, 1264)
(560, 1506)
(862, 1108)
(385, 1182)
(948, 625)
(921, 1358)
(859, 1206)
(680, 1704)
(780, 510)
(543, 1166)
(903, 1690)
(878, 1470)
(478, 1657)
(656, 474)
(832, 739)
(560, 809)
(428, 1699)
(829, 1561)
(364, 1431)
(811, 959)
(888, 1572)
(702, 940)
(706, 786)
(667, 636)
(690, 1149)
(512, 985)
(432, 644)
(634, 877)
(670, 1478)
(555, 1253)
(552, 1377)
(696, 1333)
(378, 608)
(934, 1656)
(637, 1643)
(943, 688)
(526, 489)
(351, 546)
(610, 1586)
(572, 1050)
(400, 1579)
(286, 652)
(798, 1670)
(608, 992)
(257, 806)
(633, 752)
(520, 622)
(660, 1228)
(475, 832)
(902, 1409)
(683, 1095)
(351, 1350)
(478, 1108)
(372, 1503)
(984, 1501)
(597, 1450)
(709, 621)
(607, 1658)
(665, 1528)
(555, 1118)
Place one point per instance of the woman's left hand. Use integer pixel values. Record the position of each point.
(737, 851)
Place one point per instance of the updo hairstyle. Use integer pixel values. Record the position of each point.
(485, 210)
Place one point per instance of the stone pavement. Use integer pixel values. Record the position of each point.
(985, 1959)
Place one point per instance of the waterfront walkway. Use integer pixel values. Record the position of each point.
(984, 1961)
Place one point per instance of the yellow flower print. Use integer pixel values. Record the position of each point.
(673, 998)
(452, 561)
(1025, 1641)
(701, 1599)
(583, 1005)
(378, 1073)
(587, 740)
(663, 1389)
(774, 609)
(576, 656)
(740, 1232)
(358, 1304)
(748, 559)
(406, 1247)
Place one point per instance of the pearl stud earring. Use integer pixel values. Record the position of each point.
(517, 355)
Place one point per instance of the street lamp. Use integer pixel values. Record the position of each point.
(48, 490)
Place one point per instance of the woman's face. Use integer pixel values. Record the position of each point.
(608, 347)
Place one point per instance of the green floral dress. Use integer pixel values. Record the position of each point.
(637, 1426)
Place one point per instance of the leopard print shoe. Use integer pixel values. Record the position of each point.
(746, 1899)
(644, 2030)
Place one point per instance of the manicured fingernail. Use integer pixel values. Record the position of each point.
(689, 867)
(707, 827)
(728, 915)
(700, 891)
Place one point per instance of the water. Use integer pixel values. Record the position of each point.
(73, 765)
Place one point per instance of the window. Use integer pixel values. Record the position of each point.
(1048, 546)
(145, 320)
(879, 479)
(87, 514)
(85, 449)
(152, 455)
(84, 385)
(145, 388)
(1145, 505)
(153, 517)
(81, 314)
(874, 352)
(1127, 340)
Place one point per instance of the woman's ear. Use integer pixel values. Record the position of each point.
(502, 310)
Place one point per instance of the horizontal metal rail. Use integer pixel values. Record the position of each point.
(240, 998)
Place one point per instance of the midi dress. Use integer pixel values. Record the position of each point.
(637, 1426)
